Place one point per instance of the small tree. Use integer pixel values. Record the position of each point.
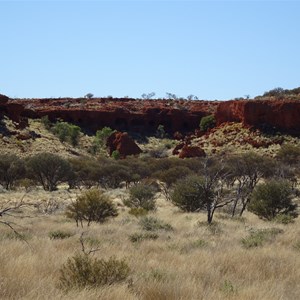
(49, 170)
(142, 196)
(92, 206)
(67, 132)
(160, 131)
(271, 199)
(89, 96)
(11, 169)
(207, 122)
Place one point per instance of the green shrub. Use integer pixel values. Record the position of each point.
(138, 211)
(67, 132)
(49, 170)
(92, 206)
(153, 224)
(284, 219)
(82, 271)
(207, 122)
(259, 237)
(141, 196)
(139, 237)
(189, 194)
(59, 234)
(46, 122)
(11, 169)
(271, 199)
(116, 154)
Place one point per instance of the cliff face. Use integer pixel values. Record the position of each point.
(277, 114)
(122, 114)
(145, 116)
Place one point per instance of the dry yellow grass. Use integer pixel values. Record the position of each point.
(190, 262)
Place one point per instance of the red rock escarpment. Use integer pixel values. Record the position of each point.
(123, 143)
(122, 114)
(283, 115)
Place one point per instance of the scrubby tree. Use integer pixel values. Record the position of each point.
(204, 192)
(49, 170)
(141, 196)
(12, 168)
(207, 122)
(168, 178)
(91, 206)
(245, 171)
(67, 132)
(271, 199)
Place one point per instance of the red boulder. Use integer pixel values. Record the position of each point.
(191, 151)
(123, 143)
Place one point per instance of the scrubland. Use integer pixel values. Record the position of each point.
(190, 260)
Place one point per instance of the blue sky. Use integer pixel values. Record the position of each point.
(212, 49)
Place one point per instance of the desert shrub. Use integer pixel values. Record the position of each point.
(260, 237)
(59, 235)
(189, 194)
(116, 154)
(11, 169)
(91, 206)
(284, 219)
(112, 174)
(26, 183)
(141, 196)
(46, 122)
(101, 138)
(138, 211)
(169, 176)
(84, 172)
(271, 199)
(82, 271)
(153, 224)
(49, 170)
(160, 131)
(198, 244)
(67, 132)
(207, 122)
(289, 154)
(139, 237)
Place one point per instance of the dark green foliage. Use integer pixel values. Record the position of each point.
(138, 211)
(168, 177)
(11, 169)
(92, 206)
(207, 122)
(160, 132)
(142, 196)
(49, 170)
(153, 224)
(260, 237)
(139, 237)
(189, 194)
(289, 154)
(82, 271)
(101, 138)
(67, 132)
(116, 155)
(271, 199)
(59, 235)
(46, 122)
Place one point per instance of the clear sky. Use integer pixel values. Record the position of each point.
(212, 49)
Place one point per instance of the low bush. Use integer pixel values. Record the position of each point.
(207, 122)
(139, 237)
(82, 271)
(59, 235)
(92, 206)
(153, 224)
(138, 212)
(260, 237)
(141, 196)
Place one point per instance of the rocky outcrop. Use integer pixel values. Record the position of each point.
(282, 115)
(123, 143)
(191, 151)
(126, 114)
